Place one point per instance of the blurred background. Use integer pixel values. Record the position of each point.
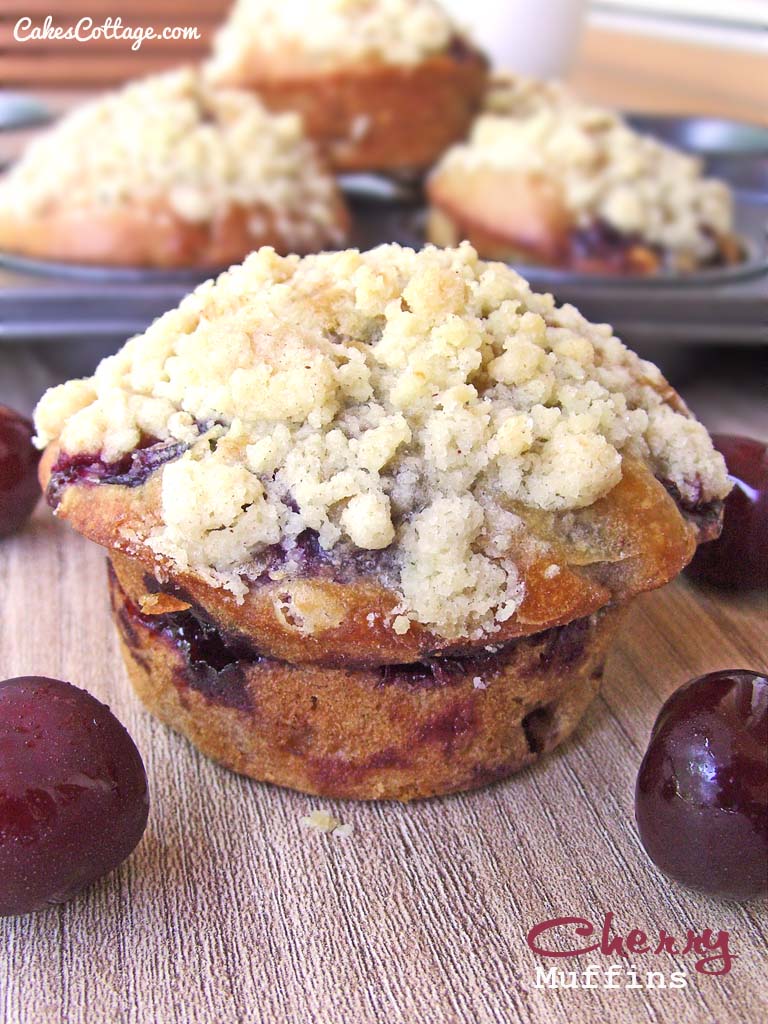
(672, 57)
(676, 56)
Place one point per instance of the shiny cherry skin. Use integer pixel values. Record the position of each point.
(73, 792)
(701, 800)
(19, 489)
(739, 558)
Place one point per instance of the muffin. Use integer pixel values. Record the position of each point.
(547, 180)
(383, 85)
(170, 172)
(373, 518)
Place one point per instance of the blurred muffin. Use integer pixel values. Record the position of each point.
(169, 172)
(373, 518)
(381, 84)
(546, 179)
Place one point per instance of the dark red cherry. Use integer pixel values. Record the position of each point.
(701, 800)
(73, 792)
(739, 558)
(19, 489)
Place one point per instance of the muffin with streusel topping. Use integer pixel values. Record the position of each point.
(546, 179)
(382, 85)
(170, 172)
(372, 518)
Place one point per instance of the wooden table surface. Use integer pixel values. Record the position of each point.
(229, 912)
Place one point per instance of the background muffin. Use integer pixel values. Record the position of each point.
(169, 172)
(382, 84)
(395, 467)
(547, 179)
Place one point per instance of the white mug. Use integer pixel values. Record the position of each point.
(530, 37)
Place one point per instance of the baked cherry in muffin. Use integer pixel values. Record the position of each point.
(428, 487)
(380, 84)
(546, 179)
(170, 172)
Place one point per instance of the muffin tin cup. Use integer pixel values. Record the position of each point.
(51, 301)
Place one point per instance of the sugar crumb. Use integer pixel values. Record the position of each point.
(323, 821)
(330, 31)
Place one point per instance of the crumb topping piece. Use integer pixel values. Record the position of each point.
(415, 401)
(324, 821)
(333, 31)
(172, 140)
(603, 169)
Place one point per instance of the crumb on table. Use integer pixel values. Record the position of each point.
(324, 821)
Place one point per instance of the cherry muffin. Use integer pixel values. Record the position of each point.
(373, 518)
(547, 180)
(381, 84)
(170, 172)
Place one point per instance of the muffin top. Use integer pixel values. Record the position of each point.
(329, 32)
(519, 96)
(424, 408)
(174, 141)
(603, 169)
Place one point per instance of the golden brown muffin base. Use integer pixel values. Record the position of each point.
(374, 116)
(371, 734)
(154, 237)
(519, 218)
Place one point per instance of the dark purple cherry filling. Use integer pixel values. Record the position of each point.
(132, 470)
(707, 516)
(560, 649)
(600, 241)
(306, 558)
(213, 660)
(460, 50)
(203, 645)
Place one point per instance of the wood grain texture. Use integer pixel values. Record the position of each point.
(229, 911)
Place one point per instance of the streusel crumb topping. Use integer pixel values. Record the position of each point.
(604, 170)
(333, 31)
(519, 96)
(172, 139)
(413, 401)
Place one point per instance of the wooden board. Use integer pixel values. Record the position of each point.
(644, 73)
(229, 911)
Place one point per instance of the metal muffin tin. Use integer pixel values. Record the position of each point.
(46, 302)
